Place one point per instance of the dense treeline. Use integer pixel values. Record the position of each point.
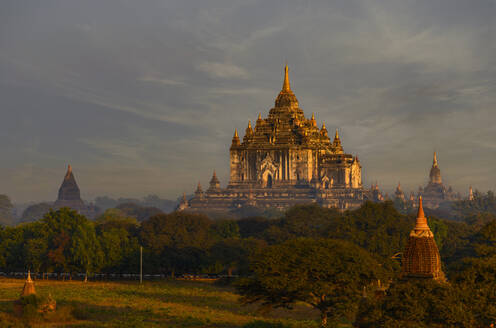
(181, 242)
(372, 237)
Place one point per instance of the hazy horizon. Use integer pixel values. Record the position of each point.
(143, 97)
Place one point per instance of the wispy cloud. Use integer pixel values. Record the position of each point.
(223, 70)
(154, 79)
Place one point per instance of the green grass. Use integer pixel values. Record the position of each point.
(153, 304)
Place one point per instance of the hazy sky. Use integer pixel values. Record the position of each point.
(143, 96)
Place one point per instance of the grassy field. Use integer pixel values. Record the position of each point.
(153, 304)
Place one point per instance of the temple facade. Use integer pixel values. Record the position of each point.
(283, 160)
(421, 257)
(70, 196)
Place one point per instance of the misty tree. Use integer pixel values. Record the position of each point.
(6, 208)
(35, 212)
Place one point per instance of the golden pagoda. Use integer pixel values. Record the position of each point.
(421, 257)
(28, 286)
(435, 193)
(283, 160)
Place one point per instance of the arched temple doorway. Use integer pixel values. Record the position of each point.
(269, 181)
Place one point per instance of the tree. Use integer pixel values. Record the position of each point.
(223, 229)
(253, 226)
(35, 212)
(417, 303)
(35, 245)
(231, 255)
(118, 236)
(6, 208)
(479, 204)
(139, 212)
(177, 241)
(105, 202)
(85, 250)
(326, 274)
(72, 241)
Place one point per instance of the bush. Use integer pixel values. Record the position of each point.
(34, 306)
(264, 324)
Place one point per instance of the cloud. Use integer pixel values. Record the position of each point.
(223, 70)
(153, 79)
(148, 95)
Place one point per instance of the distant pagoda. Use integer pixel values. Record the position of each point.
(70, 196)
(435, 193)
(283, 160)
(421, 257)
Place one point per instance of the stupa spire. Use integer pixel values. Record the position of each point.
(336, 143)
(214, 182)
(28, 288)
(435, 174)
(285, 85)
(421, 222)
(69, 172)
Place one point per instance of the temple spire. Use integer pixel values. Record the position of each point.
(434, 161)
(336, 136)
(69, 172)
(28, 288)
(421, 222)
(285, 86)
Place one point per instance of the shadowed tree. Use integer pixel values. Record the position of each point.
(176, 241)
(326, 274)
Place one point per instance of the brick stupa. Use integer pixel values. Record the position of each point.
(70, 196)
(421, 258)
(28, 286)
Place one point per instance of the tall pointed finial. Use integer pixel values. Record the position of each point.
(259, 116)
(249, 125)
(313, 121)
(323, 126)
(69, 171)
(236, 133)
(434, 161)
(421, 228)
(420, 212)
(336, 136)
(285, 86)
